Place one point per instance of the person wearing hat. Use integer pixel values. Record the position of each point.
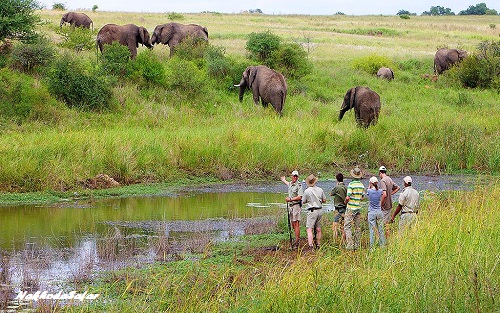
(355, 193)
(339, 192)
(375, 215)
(389, 188)
(408, 204)
(313, 197)
(294, 198)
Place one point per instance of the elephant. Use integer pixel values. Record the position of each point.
(172, 34)
(76, 20)
(446, 58)
(129, 35)
(366, 104)
(266, 84)
(386, 73)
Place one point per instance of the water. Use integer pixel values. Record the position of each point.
(45, 246)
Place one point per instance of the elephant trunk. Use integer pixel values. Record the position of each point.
(341, 114)
(243, 86)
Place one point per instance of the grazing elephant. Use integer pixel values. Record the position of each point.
(266, 84)
(129, 35)
(446, 58)
(366, 104)
(172, 34)
(386, 73)
(76, 20)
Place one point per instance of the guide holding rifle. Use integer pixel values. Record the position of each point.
(313, 197)
(294, 200)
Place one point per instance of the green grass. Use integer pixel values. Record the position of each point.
(158, 134)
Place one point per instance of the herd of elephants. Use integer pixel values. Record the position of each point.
(267, 85)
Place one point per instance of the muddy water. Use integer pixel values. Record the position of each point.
(43, 246)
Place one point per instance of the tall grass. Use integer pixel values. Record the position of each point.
(449, 262)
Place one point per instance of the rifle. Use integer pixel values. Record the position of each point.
(289, 225)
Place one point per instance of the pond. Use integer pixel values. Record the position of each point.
(45, 246)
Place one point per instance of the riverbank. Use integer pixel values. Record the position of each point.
(449, 261)
(432, 183)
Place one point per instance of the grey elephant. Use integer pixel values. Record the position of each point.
(76, 20)
(266, 84)
(446, 58)
(386, 73)
(366, 105)
(129, 35)
(172, 34)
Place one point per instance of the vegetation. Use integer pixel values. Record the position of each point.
(448, 262)
(156, 118)
(18, 19)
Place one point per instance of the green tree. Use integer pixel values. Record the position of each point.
(438, 10)
(59, 6)
(18, 19)
(261, 45)
(94, 8)
(478, 9)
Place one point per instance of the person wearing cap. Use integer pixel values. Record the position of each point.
(389, 188)
(294, 198)
(355, 193)
(339, 192)
(375, 215)
(313, 198)
(408, 204)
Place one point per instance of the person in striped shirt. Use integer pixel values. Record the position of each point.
(355, 193)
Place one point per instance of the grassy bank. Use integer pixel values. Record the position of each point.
(448, 263)
(156, 135)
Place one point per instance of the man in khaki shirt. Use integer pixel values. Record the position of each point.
(408, 204)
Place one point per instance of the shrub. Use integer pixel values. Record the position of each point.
(115, 60)
(291, 60)
(95, 7)
(71, 82)
(184, 76)
(371, 64)
(28, 56)
(261, 45)
(77, 38)
(22, 99)
(175, 16)
(480, 70)
(191, 49)
(147, 69)
(59, 6)
(217, 64)
(405, 16)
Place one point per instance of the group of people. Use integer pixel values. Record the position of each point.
(347, 201)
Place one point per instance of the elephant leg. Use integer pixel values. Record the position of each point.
(256, 98)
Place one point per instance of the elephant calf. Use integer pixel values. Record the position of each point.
(366, 104)
(266, 84)
(386, 73)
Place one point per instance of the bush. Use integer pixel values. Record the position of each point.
(191, 49)
(291, 60)
(405, 16)
(218, 66)
(115, 60)
(481, 69)
(22, 99)
(371, 64)
(59, 6)
(184, 76)
(28, 57)
(261, 45)
(175, 16)
(147, 69)
(77, 38)
(71, 82)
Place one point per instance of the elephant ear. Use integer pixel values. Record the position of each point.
(142, 34)
(166, 33)
(352, 97)
(251, 76)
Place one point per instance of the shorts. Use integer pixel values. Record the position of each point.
(294, 211)
(313, 218)
(339, 215)
(387, 216)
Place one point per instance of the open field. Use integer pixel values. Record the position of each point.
(157, 135)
